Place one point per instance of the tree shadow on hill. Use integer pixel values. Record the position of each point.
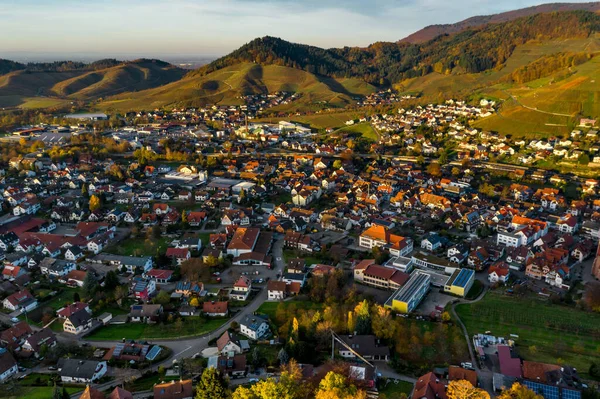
(253, 81)
(334, 85)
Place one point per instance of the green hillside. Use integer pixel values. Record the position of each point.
(226, 85)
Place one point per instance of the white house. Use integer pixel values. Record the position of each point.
(8, 365)
(81, 371)
(254, 326)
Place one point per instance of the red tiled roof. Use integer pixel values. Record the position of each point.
(215, 307)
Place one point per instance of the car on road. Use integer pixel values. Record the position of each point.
(52, 368)
(253, 380)
(14, 320)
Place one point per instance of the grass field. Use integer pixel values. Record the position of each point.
(366, 130)
(191, 326)
(140, 247)
(547, 333)
(34, 392)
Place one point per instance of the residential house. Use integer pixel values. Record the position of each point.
(215, 308)
(78, 371)
(145, 313)
(176, 389)
(22, 300)
(254, 326)
(365, 346)
(8, 365)
(44, 337)
(241, 289)
(78, 322)
(499, 273)
(179, 255)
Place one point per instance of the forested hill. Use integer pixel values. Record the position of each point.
(472, 50)
(432, 31)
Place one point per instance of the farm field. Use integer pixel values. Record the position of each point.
(547, 333)
(190, 326)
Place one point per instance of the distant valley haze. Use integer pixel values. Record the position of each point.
(194, 32)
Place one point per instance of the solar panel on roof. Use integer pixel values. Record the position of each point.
(153, 352)
(463, 277)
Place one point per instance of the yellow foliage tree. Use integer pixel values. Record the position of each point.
(463, 389)
(194, 302)
(518, 391)
(95, 203)
(336, 386)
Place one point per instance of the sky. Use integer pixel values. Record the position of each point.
(125, 29)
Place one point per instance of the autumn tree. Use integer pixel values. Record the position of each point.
(463, 389)
(518, 391)
(381, 322)
(336, 386)
(194, 269)
(95, 203)
(212, 385)
(288, 386)
(434, 169)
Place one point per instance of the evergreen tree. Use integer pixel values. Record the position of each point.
(90, 283)
(283, 357)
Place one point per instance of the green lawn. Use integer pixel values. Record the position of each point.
(140, 246)
(270, 308)
(394, 390)
(191, 326)
(35, 392)
(547, 333)
(61, 299)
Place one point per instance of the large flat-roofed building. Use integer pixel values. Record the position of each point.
(407, 298)
(422, 260)
(460, 282)
(88, 116)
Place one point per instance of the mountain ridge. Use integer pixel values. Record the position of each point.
(432, 31)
